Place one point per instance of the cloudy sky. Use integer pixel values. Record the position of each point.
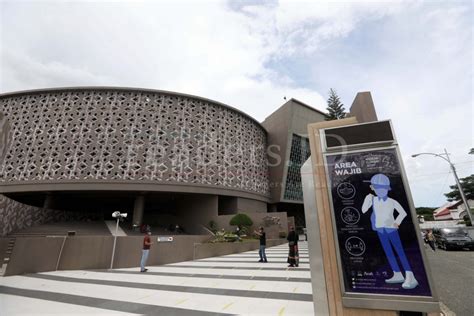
(416, 57)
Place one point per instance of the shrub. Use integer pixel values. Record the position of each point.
(231, 237)
(213, 226)
(241, 220)
(223, 236)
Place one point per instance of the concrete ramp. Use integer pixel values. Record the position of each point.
(111, 226)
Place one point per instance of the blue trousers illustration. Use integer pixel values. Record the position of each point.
(389, 237)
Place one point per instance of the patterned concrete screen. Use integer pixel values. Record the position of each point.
(4, 135)
(298, 155)
(15, 216)
(130, 136)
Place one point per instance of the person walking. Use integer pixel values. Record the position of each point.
(145, 251)
(431, 240)
(293, 248)
(263, 244)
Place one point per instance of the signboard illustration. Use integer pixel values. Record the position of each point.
(378, 243)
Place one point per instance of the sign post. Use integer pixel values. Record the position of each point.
(373, 256)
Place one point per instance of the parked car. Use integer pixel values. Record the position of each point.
(454, 238)
(470, 232)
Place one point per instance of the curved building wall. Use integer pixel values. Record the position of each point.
(16, 216)
(129, 139)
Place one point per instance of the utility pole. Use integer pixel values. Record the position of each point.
(461, 191)
(118, 216)
(458, 183)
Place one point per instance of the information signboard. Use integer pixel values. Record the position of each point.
(164, 239)
(378, 244)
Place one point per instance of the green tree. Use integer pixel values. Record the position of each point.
(241, 221)
(466, 219)
(467, 184)
(426, 212)
(335, 107)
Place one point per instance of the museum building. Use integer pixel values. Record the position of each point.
(160, 156)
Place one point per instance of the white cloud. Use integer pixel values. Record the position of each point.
(51, 73)
(303, 27)
(203, 48)
(416, 58)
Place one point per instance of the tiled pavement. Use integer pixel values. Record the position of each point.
(233, 284)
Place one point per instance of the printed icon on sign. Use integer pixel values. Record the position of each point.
(346, 190)
(355, 246)
(350, 215)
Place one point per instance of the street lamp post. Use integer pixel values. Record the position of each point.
(461, 192)
(118, 216)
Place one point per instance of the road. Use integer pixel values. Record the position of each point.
(453, 273)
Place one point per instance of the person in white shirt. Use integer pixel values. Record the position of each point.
(386, 226)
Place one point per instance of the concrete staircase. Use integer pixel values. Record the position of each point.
(97, 228)
(6, 256)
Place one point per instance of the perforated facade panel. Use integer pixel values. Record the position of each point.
(130, 136)
(299, 153)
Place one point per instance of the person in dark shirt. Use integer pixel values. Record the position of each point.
(263, 243)
(145, 251)
(431, 240)
(292, 238)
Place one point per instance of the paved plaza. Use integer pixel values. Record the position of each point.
(227, 285)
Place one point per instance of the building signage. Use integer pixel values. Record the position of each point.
(164, 239)
(378, 243)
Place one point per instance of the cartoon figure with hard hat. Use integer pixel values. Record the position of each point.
(386, 226)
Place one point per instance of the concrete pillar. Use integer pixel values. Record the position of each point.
(250, 206)
(272, 208)
(138, 208)
(195, 210)
(48, 201)
(363, 108)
